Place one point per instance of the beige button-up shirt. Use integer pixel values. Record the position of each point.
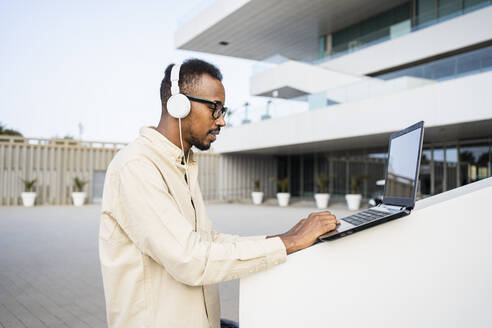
(160, 257)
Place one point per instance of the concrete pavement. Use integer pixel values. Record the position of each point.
(49, 266)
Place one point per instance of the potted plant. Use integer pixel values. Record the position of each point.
(257, 195)
(353, 199)
(322, 197)
(79, 195)
(28, 196)
(283, 196)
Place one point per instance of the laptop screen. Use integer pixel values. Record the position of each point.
(403, 164)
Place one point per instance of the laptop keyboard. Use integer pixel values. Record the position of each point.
(365, 217)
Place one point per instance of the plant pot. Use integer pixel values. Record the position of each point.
(28, 198)
(78, 198)
(257, 197)
(353, 201)
(283, 198)
(321, 200)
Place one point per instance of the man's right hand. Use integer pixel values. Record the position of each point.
(308, 230)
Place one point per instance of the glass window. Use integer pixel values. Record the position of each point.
(468, 63)
(486, 58)
(295, 176)
(371, 29)
(307, 175)
(283, 168)
(425, 173)
(472, 3)
(401, 13)
(448, 7)
(441, 69)
(474, 163)
(479, 60)
(339, 179)
(438, 170)
(322, 167)
(317, 100)
(451, 168)
(426, 11)
(322, 46)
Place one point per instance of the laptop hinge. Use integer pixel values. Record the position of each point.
(393, 208)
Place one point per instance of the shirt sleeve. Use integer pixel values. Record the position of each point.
(219, 237)
(150, 217)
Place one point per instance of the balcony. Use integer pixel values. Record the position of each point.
(460, 32)
(368, 121)
(412, 24)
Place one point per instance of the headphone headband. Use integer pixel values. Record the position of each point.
(175, 79)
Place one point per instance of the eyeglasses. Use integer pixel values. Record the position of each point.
(218, 109)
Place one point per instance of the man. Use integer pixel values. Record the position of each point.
(161, 259)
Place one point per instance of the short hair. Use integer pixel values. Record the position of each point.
(189, 75)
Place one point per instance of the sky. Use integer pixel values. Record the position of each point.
(99, 63)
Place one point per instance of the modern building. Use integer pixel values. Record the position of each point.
(365, 69)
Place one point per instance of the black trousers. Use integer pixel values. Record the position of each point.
(226, 323)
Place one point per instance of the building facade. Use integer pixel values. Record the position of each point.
(364, 69)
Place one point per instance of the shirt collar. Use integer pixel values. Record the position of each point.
(164, 145)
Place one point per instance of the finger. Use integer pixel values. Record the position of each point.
(330, 225)
(326, 214)
(323, 213)
(330, 218)
(298, 226)
(301, 222)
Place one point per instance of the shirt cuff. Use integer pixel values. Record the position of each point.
(277, 253)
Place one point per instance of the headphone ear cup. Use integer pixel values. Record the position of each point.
(178, 106)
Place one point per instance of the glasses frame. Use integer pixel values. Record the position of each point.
(218, 106)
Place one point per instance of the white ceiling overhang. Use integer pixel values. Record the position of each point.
(258, 29)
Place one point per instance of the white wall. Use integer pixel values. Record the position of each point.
(430, 269)
(206, 19)
(465, 99)
(300, 76)
(456, 33)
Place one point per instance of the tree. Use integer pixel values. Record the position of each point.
(9, 132)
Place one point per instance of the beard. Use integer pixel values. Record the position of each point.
(195, 141)
(199, 144)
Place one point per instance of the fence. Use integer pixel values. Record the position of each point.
(238, 173)
(56, 162)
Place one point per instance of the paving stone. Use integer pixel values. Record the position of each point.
(22, 314)
(50, 274)
(8, 319)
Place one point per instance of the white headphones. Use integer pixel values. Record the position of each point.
(178, 105)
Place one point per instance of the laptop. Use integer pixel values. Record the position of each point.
(402, 172)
